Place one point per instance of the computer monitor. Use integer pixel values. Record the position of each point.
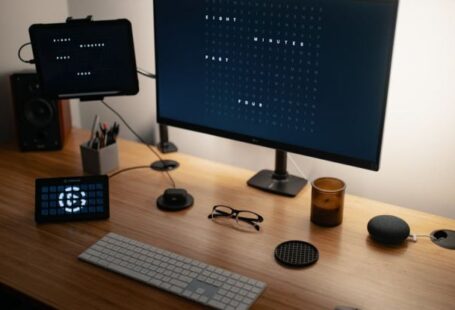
(305, 76)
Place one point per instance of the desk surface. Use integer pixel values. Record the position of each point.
(41, 260)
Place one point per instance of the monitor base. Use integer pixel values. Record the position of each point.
(167, 147)
(265, 180)
(164, 165)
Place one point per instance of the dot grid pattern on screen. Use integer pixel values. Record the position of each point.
(262, 62)
(72, 199)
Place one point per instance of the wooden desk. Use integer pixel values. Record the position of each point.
(41, 260)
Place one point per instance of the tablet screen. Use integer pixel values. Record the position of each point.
(72, 198)
(85, 59)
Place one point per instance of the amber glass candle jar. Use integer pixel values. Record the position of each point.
(327, 201)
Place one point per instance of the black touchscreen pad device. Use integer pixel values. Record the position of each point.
(85, 59)
(71, 198)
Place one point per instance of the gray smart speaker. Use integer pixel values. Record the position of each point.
(388, 229)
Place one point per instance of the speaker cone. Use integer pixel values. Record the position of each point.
(38, 112)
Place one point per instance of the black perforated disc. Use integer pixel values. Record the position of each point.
(296, 253)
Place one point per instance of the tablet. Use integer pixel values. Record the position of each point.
(85, 59)
(71, 198)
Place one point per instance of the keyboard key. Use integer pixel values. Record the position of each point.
(200, 291)
(242, 307)
(234, 303)
(217, 304)
(217, 297)
(238, 297)
(176, 289)
(251, 295)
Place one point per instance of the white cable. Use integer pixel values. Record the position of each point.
(296, 166)
(413, 237)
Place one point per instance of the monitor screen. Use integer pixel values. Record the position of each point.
(85, 58)
(306, 76)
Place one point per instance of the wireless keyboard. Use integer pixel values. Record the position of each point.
(183, 276)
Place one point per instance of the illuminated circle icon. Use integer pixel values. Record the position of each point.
(73, 199)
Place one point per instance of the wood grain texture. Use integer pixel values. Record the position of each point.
(41, 260)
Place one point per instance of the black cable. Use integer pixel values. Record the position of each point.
(146, 74)
(31, 61)
(127, 169)
(140, 139)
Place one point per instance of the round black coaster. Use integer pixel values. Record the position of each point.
(296, 253)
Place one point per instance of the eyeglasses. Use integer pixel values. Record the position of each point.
(246, 220)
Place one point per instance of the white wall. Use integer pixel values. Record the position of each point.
(15, 18)
(138, 110)
(417, 168)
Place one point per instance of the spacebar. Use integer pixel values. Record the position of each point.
(129, 273)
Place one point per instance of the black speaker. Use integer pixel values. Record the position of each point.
(388, 229)
(41, 123)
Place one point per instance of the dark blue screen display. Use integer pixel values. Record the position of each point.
(308, 76)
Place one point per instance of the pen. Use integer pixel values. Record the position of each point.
(112, 134)
(96, 142)
(105, 133)
(103, 136)
(92, 134)
(115, 130)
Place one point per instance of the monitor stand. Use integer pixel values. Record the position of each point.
(165, 146)
(278, 181)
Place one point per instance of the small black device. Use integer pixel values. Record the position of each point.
(42, 124)
(296, 253)
(71, 198)
(388, 229)
(85, 59)
(174, 199)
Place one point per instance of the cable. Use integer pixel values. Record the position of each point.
(146, 73)
(140, 139)
(127, 169)
(31, 61)
(413, 237)
(428, 236)
(296, 166)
